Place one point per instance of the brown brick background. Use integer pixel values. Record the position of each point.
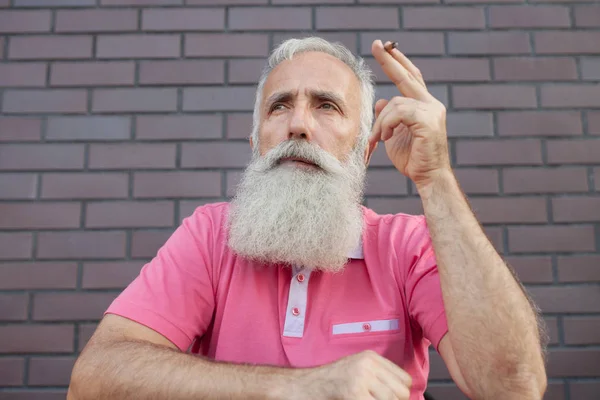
(119, 117)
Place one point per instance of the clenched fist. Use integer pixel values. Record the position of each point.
(361, 376)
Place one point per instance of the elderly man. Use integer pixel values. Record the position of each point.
(296, 291)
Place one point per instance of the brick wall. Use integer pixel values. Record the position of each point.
(119, 117)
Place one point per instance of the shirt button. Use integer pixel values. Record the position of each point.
(295, 311)
(367, 327)
(300, 277)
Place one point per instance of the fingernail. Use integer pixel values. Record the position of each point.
(389, 46)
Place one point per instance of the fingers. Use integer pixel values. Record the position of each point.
(404, 80)
(401, 377)
(379, 105)
(399, 110)
(410, 67)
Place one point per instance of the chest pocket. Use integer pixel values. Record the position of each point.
(366, 328)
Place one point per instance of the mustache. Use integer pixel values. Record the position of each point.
(302, 149)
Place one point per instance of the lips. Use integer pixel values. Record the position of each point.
(297, 159)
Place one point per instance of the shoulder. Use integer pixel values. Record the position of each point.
(208, 220)
(400, 226)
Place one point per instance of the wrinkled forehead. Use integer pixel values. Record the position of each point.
(313, 71)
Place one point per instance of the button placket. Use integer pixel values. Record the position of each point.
(297, 300)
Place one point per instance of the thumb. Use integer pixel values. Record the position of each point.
(379, 106)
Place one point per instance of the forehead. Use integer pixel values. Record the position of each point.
(313, 70)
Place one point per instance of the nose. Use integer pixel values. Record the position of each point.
(300, 124)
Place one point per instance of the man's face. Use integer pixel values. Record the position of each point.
(315, 97)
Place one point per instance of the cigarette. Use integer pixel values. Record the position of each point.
(390, 46)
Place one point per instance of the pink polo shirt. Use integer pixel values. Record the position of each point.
(387, 299)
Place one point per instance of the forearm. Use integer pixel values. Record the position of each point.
(492, 326)
(140, 370)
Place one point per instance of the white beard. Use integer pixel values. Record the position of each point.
(290, 215)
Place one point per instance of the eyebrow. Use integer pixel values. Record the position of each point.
(322, 95)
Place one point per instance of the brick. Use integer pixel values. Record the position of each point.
(85, 186)
(332, 18)
(245, 71)
(2, 52)
(545, 180)
(109, 275)
(573, 362)
(137, 155)
(15, 245)
(41, 156)
(592, 117)
(347, 39)
(22, 74)
(138, 46)
(18, 186)
(443, 17)
(21, 21)
(239, 126)
(226, 45)
(590, 68)
(182, 72)
(223, 2)
(385, 182)
(584, 389)
(70, 305)
(529, 17)
(510, 209)
(481, 1)
(523, 239)
(438, 369)
(440, 92)
(270, 18)
(576, 209)
(145, 244)
(320, 2)
(134, 100)
(583, 95)
(178, 127)
(134, 214)
(496, 237)
(20, 129)
(477, 180)
(447, 391)
(499, 152)
(28, 394)
(13, 306)
(579, 268)
(44, 101)
(399, 1)
(535, 69)
(442, 70)
(11, 371)
(85, 334)
(96, 20)
(539, 123)
(410, 43)
(565, 42)
(38, 275)
(535, 269)
(54, 3)
(219, 98)
(184, 19)
(380, 158)
(597, 176)
(39, 215)
(552, 329)
(81, 245)
(216, 155)
(485, 43)
(582, 330)
(92, 73)
(54, 47)
(587, 16)
(177, 184)
(406, 205)
(573, 151)
(37, 338)
(460, 124)
(88, 128)
(140, 2)
(50, 371)
(494, 96)
(232, 179)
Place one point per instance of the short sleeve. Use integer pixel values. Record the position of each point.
(173, 294)
(422, 286)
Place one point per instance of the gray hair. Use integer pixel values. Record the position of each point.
(287, 50)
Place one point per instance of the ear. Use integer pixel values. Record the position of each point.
(251, 143)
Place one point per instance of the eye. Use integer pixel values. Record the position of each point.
(328, 106)
(277, 107)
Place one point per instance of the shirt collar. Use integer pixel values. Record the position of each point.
(357, 253)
